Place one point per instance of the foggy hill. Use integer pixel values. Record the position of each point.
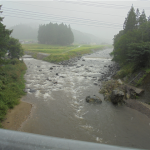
(24, 32)
(80, 37)
(28, 32)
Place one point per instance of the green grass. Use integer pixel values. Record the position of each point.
(49, 49)
(61, 53)
(140, 81)
(125, 71)
(12, 84)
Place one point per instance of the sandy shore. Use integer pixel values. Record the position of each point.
(139, 106)
(16, 116)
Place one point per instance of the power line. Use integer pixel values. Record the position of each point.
(61, 22)
(35, 14)
(75, 11)
(96, 4)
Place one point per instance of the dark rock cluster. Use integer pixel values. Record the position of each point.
(93, 99)
(112, 69)
(70, 62)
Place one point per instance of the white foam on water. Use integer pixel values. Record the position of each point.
(37, 93)
(98, 139)
(79, 117)
(88, 127)
(28, 85)
(46, 95)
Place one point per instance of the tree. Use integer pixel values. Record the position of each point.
(130, 21)
(4, 37)
(132, 45)
(55, 34)
(137, 17)
(148, 19)
(15, 48)
(71, 36)
(139, 54)
(142, 18)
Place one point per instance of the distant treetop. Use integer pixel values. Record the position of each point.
(55, 34)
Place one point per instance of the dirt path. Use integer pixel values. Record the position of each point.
(16, 116)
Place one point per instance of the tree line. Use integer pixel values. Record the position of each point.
(132, 44)
(55, 34)
(8, 44)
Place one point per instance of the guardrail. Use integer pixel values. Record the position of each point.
(14, 140)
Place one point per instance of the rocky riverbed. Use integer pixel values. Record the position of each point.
(58, 93)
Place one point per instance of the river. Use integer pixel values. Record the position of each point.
(58, 95)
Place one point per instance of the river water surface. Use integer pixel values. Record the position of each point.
(58, 94)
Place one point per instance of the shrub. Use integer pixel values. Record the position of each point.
(108, 87)
(12, 84)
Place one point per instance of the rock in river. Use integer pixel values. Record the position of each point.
(93, 99)
(117, 96)
(32, 90)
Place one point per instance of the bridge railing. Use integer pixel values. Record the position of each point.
(14, 140)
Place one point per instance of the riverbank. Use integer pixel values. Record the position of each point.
(139, 106)
(12, 84)
(139, 79)
(60, 54)
(16, 116)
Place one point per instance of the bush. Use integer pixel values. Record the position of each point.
(139, 54)
(15, 48)
(108, 87)
(12, 84)
(3, 110)
(14, 61)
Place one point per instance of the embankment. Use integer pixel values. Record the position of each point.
(57, 54)
(12, 84)
(138, 80)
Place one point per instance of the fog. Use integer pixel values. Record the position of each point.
(103, 19)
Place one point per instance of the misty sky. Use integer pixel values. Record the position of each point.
(101, 18)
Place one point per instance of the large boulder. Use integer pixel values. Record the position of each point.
(93, 99)
(117, 96)
(132, 92)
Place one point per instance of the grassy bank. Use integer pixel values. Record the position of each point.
(61, 53)
(12, 84)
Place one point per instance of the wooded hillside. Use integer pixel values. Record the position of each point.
(132, 44)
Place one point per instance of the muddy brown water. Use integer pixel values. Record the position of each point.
(61, 111)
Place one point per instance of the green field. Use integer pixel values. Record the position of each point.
(61, 53)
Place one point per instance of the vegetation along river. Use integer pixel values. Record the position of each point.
(58, 94)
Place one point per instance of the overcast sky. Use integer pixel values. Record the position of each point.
(101, 18)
